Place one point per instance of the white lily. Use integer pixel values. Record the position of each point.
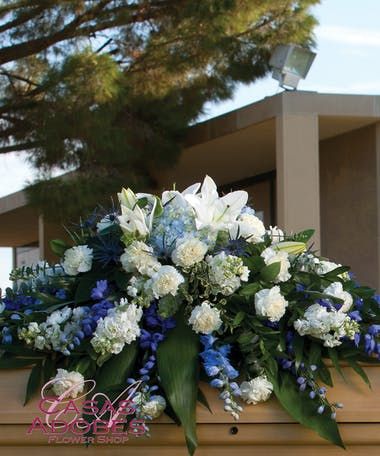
(133, 221)
(211, 210)
(178, 198)
(127, 198)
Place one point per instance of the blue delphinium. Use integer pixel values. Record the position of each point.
(216, 364)
(100, 290)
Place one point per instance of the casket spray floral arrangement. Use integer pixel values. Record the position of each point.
(185, 287)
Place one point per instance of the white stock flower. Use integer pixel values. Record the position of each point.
(272, 256)
(64, 380)
(154, 407)
(205, 319)
(119, 327)
(59, 316)
(336, 290)
(77, 259)
(226, 273)
(214, 211)
(139, 257)
(166, 281)
(188, 252)
(249, 227)
(256, 390)
(270, 303)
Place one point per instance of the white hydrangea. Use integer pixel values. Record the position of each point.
(270, 303)
(226, 272)
(329, 326)
(77, 259)
(256, 390)
(336, 290)
(165, 281)
(30, 333)
(154, 407)
(276, 234)
(205, 319)
(188, 252)
(59, 316)
(65, 380)
(323, 266)
(138, 256)
(249, 227)
(274, 256)
(119, 327)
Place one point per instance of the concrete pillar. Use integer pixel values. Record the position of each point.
(48, 231)
(297, 165)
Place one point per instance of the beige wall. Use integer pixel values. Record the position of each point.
(349, 202)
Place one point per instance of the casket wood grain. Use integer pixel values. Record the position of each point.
(264, 429)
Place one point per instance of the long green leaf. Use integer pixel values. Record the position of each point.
(359, 370)
(15, 363)
(178, 367)
(303, 409)
(115, 371)
(34, 382)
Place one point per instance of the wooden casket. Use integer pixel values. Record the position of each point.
(264, 429)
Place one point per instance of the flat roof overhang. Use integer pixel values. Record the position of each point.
(237, 145)
(242, 143)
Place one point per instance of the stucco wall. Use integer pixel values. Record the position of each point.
(349, 202)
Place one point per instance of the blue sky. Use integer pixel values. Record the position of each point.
(348, 47)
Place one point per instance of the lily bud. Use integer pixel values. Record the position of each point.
(291, 247)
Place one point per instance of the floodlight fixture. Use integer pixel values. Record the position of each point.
(290, 63)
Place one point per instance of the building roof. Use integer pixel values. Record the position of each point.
(230, 147)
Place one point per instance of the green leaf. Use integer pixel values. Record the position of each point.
(168, 306)
(239, 317)
(180, 349)
(324, 375)
(203, 400)
(21, 350)
(250, 289)
(58, 247)
(303, 409)
(359, 370)
(298, 343)
(254, 263)
(270, 272)
(304, 236)
(115, 371)
(333, 354)
(315, 353)
(34, 382)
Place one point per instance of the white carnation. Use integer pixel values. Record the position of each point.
(274, 256)
(166, 281)
(189, 252)
(205, 319)
(270, 303)
(256, 390)
(336, 290)
(226, 273)
(64, 380)
(139, 257)
(77, 259)
(249, 227)
(119, 327)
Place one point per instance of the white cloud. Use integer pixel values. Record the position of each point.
(349, 35)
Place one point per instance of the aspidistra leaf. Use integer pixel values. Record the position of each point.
(178, 367)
